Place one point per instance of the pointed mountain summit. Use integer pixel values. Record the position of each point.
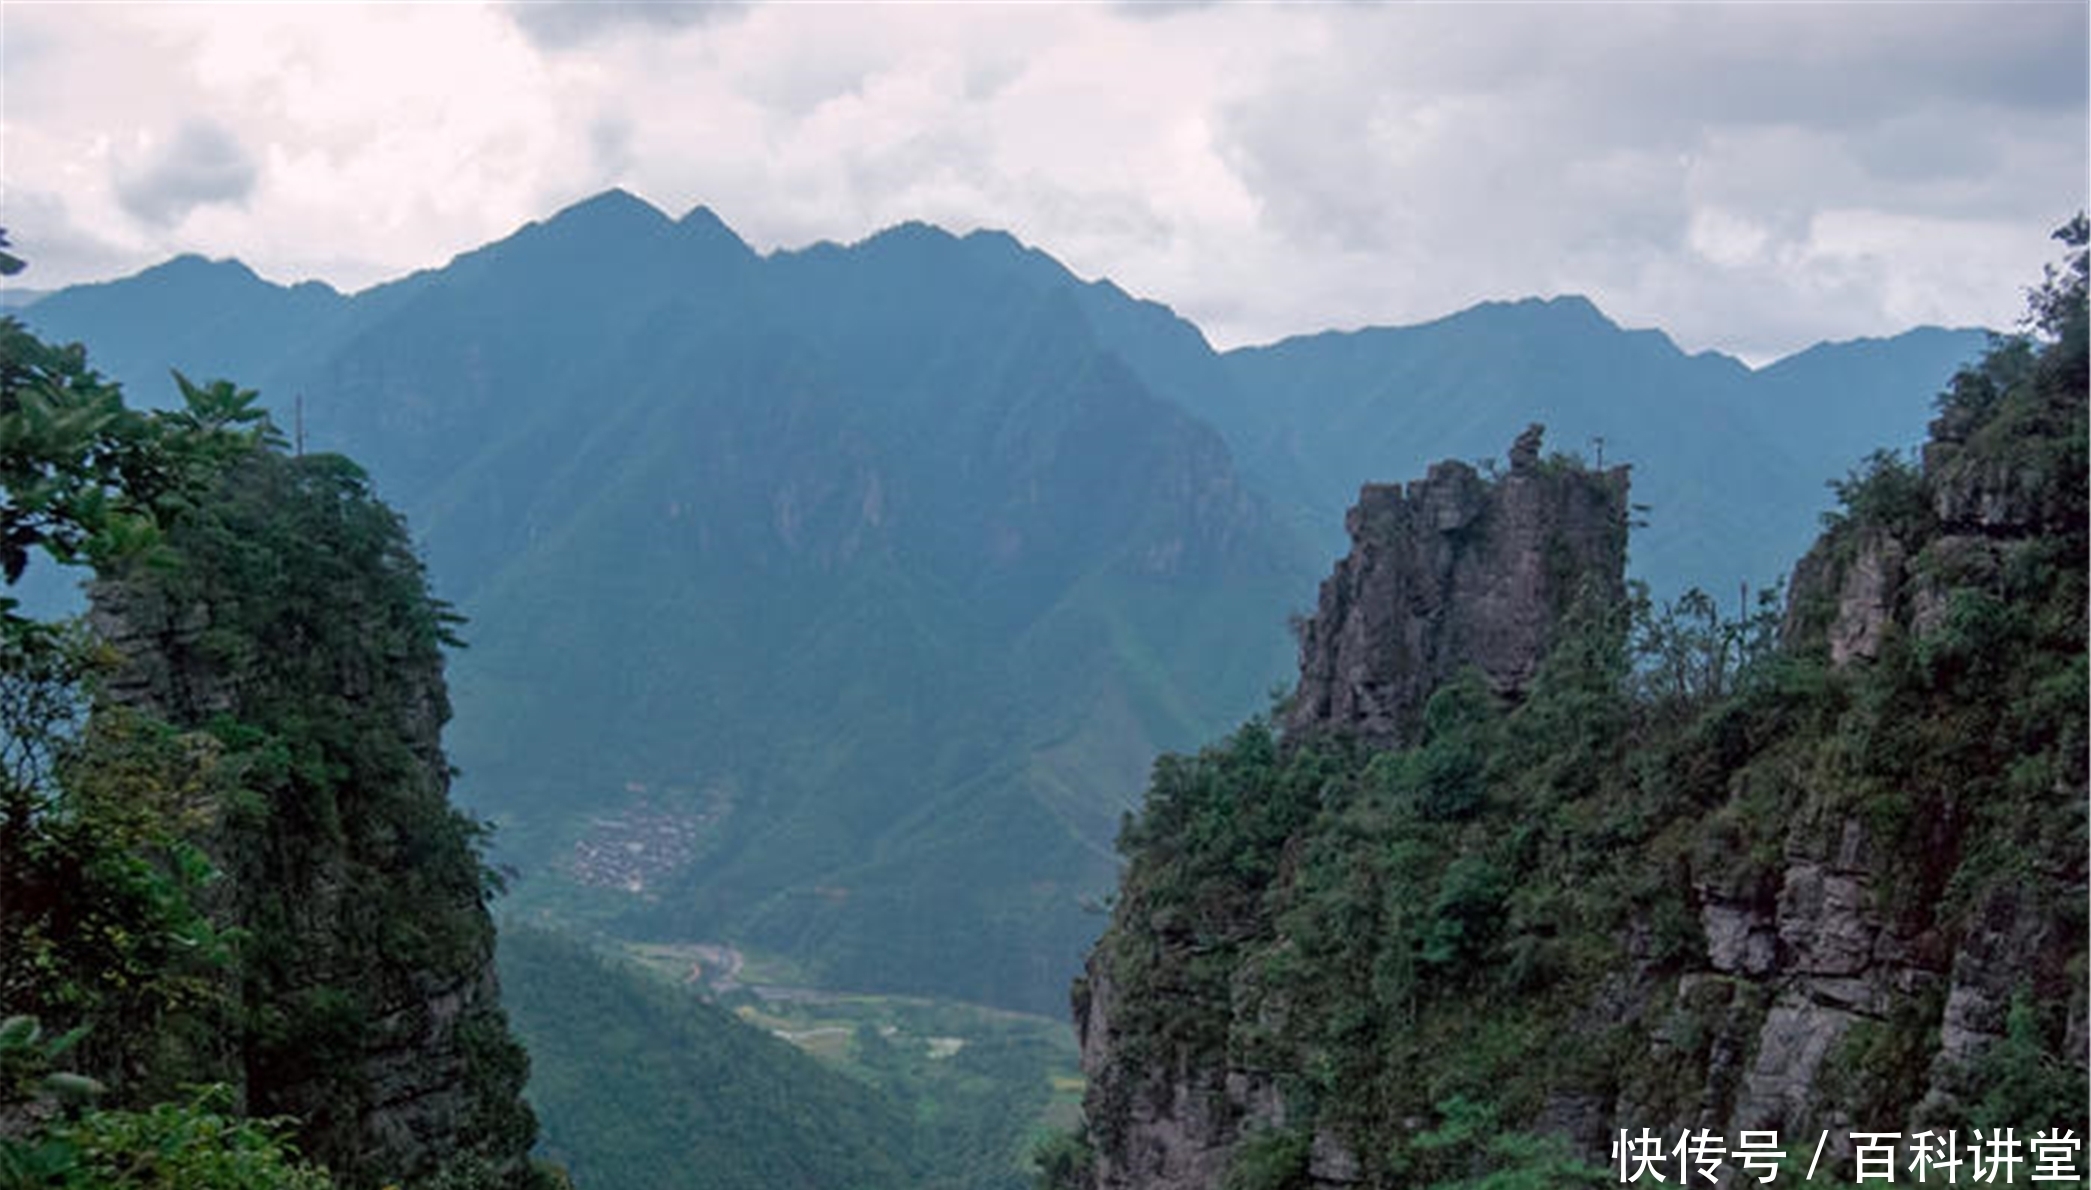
(610, 209)
(705, 227)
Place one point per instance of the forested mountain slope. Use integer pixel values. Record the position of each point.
(866, 573)
(861, 583)
(644, 1086)
(1632, 868)
(235, 901)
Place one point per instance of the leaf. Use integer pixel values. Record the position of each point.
(19, 1032)
(76, 1087)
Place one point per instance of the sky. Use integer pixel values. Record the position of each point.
(1751, 178)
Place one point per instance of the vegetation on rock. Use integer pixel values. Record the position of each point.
(1703, 871)
(226, 858)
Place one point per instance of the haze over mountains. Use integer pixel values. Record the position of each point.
(856, 586)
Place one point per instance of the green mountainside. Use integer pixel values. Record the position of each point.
(1633, 866)
(828, 603)
(653, 1068)
(644, 1086)
(860, 584)
(243, 934)
(807, 562)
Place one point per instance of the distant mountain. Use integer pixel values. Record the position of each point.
(1828, 869)
(1730, 463)
(835, 601)
(207, 318)
(858, 584)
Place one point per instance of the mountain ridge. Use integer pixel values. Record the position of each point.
(703, 218)
(806, 541)
(1484, 898)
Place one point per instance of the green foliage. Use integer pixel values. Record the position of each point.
(300, 661)
(1270, 1159)
(975, 1114)
(1208, 845)
(1465, 913)
(28, 1061)
(1693, 656)
(2026, 1080)
(641, 1085)
(87, 479)
(1472, 928)
(321, 621)
(1469, 1149)
(1446, 776)
(2056, 307)
(1886, 492)
(1063, 1161)
(193, 1144)
(104, 919)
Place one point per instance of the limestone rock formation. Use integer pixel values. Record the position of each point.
(1450, 571)
(1859, 882)
(1455, 570)
(366, 998)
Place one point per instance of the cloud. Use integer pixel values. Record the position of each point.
(203, 163)
(42, 230)
(1699, 168)
(567, 24)
(610, 144)
(1750, 177)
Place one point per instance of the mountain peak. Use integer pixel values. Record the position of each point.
(1566, 309)
(193, 267)
(615, 204)
(703, 224)
(912, 232)
(994, 239)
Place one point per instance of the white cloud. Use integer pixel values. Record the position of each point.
(1751, 178)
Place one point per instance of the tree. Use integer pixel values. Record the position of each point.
(2058, 303)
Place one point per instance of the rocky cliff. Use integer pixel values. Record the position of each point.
(293, 632)
(1450, 571)
(1452, 924)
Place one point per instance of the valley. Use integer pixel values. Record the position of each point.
(820, 643)
(1116, 595)
(829, 573)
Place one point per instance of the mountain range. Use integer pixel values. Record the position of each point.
(834, 601)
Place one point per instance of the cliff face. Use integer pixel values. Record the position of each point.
(296, 631)
(1927, 554)
(1844, 890)
(1451, 571)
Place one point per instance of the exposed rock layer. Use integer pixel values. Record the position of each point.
(1871, 925)
(1450, 571)
(383, 1036)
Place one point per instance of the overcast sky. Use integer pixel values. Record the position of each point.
(1749, 177)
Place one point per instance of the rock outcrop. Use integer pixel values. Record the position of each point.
(1849, 897)
(365, 1000)
(1450, 571)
